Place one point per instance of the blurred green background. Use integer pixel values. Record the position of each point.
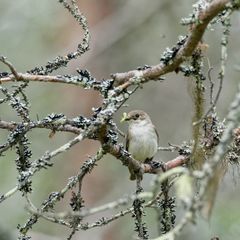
(125, 34)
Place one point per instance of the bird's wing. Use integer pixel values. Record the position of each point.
(127, 142)
(156, 134)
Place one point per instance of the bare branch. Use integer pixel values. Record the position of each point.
(195, 35)
(11, 67)
(8, 194)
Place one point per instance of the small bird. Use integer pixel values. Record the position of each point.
(142, 138)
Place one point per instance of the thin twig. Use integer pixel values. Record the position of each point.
(8, 194)
(233, 119)
(213, 104)
(211, 82)
(223, 66)
(11, 67)
(195, 35)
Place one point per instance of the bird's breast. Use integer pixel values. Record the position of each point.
(143, 143)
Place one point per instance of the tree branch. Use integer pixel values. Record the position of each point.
(195, 35)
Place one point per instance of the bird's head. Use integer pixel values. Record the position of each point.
(136, 117)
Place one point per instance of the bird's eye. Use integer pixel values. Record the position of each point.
(137, 116)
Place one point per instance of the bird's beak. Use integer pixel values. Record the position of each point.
(125, 117)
